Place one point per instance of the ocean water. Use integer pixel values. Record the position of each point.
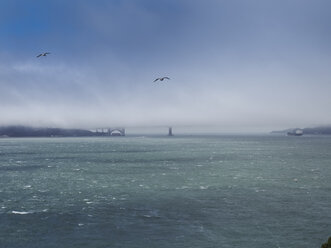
(182, 191)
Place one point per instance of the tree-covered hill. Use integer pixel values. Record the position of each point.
(23, 131)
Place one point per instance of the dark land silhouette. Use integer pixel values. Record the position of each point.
(24, 131)
(311, 130)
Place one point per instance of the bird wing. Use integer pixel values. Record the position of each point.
(39, 55)
(156, 79)
(47, 53)
(166, 78)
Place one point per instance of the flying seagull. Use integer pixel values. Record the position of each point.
(43, 54)
(161, 79)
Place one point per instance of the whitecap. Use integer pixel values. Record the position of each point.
(22, 212)
(259, 190)
(183, 187)
(43, 190)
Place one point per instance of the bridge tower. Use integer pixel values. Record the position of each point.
(170, 132)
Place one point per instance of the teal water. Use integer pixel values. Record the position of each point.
(189, 191)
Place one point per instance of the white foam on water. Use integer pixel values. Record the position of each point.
(43, 190)
(183, 187)
(260, 190)
(22, 212)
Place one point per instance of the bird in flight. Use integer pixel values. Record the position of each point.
(43, 54)
(161, 79)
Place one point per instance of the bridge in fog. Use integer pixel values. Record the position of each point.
(118, 131)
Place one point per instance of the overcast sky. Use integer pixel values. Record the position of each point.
(234, 64)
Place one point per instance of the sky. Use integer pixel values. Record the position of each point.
(234, 65)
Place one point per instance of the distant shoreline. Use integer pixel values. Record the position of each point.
(24, 131)
(323, 130)
(16, 131)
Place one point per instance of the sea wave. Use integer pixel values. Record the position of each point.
(28, 212)
(22, 212)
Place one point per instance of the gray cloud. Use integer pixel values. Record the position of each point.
(240, 65)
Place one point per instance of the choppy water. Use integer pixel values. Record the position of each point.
(223, 191)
